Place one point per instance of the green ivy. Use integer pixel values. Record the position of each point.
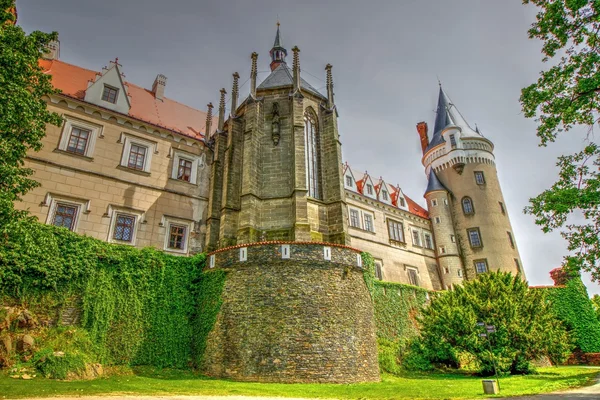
(573, 306)
(140, 306)
(396, 307)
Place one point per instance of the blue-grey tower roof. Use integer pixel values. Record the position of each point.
(434, 183)
(442, 119)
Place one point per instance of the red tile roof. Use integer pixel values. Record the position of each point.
(166, 113)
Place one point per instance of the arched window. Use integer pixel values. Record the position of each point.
(311, 153)
(467, 205)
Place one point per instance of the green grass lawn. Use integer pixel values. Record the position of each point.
(147, 381)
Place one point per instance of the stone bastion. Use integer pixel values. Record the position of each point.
(292, 312)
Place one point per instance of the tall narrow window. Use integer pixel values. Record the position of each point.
(348, 181)
(502, 210)
(369, 188)
(311, 154)
(452, 140)
(354, 221)
(479, 178)
(511, 240)
(378, 270)
(413, 277)
(474, 237)
(369, 222)
(396, 231)
(416, 237)
(467, 205)
(385, 195)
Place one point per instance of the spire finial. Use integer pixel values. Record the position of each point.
(234, 93)
(278, 52)
(296, 68)
(253, 74)
(439, 82)
(329, 86)
(208, 121)
(222, 109)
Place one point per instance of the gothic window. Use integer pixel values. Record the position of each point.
(474, 237)
(467, 206)
(311, 154)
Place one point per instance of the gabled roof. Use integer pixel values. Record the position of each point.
(283, 76)
(434, 183)
(394, 191)
(166, 113)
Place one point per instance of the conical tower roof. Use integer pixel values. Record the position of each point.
(434, 184)
(448, 114)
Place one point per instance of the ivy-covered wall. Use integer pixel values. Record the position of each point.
(396, 308)
(574, 307)
(140, 306)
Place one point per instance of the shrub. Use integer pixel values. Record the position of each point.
(58, 365)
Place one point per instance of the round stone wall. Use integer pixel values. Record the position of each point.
(290, 314)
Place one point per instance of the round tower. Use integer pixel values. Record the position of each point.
(440, 212)
(462, 161)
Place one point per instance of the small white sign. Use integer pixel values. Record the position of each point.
(243, 254)
(285, 251)
(359, 260)
(211, 263)
(327, 253)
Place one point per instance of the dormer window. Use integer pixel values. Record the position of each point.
(402, 202)
(385, 195)
(348, 181)
(369, 189)
(453, 141)
(110, 94)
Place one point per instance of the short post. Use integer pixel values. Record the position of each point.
(495, 388)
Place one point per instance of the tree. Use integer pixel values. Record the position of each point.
(596, 305)
(525, 326)
(565, 96)
(23, 112)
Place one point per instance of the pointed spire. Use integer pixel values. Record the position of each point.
(234, 93)
(208, 120)
(329, 81)
(434, 184)
(442, 116)
(278, 52)
(222, 110)
(253, 75)
(296, 68)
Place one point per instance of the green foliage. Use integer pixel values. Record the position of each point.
(23, 112)
(595, 304)
(396, 307)
(58, 365)
(572, 305)
(139, 306)
(526, 327)
(566, 95)
(208, 295)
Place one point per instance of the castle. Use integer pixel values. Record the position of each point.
(131, 166)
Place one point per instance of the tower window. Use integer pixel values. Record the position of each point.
(474, 237)
(479, 178)
(442, 249)
(518, 265)
(459, 273)
(428, 240)
(481, 266)
(416, 238)
(434, 202)
(438, 220)
(396, 231)
(369, 222)
(511, 240)
(467, 206)
(311, 153)
(453, 141)
(453, 238)
(354, 220)
(110, 94)
(502, 210)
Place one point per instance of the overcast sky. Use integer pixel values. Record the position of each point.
(386, 57)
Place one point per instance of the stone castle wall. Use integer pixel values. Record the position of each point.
(302, 319)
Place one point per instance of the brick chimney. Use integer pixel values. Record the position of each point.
(53, 51)
(159, 85)
(422, 129)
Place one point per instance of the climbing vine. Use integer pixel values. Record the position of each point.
(572, 305)
(139, 306)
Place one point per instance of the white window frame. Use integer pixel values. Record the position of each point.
(416, 271)
(166, 223)
(138, 219)
(442, 249)
(72, 122)
(361, 219)
(438, 220)
(127, 141)
(52, 201)
(366, 215)
(434, 202)
(428, 234)
(349, 179)
(401, 230)
(350, 210)
(414, 230)
(197, 161)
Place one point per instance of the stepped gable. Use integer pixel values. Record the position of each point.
(394, 191)
(166, 113)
